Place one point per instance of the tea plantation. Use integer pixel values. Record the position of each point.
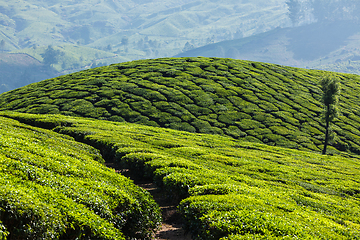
(226, 188)
(52, 187)
(257, 102)
(235, 144)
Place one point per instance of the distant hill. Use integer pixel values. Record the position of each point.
(253, 101)
(90, 33)
(26, 66)
(330, 46)
(17, 69)
(147, 26)
(18, 58)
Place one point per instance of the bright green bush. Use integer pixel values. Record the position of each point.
(246, 124)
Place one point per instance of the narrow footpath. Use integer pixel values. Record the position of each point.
(172, 226)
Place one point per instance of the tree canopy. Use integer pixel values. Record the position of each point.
(331, 92)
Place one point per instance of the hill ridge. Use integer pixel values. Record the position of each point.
(254, 101)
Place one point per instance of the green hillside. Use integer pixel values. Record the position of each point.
(227, 188)
(257, 102)
(52, 187)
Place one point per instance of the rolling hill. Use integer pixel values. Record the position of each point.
(332, 46)
(258, 102)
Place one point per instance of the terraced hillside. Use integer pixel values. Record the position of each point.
(52, 187)
(257, 102)
(254, 101)
(229, 189)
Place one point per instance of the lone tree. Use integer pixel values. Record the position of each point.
(331, 92)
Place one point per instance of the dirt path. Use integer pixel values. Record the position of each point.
(172, 226)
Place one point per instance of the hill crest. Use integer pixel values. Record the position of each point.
(253, 101)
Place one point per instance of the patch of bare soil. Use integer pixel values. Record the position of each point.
(172, 226)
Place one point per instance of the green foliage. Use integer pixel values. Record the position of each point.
(227, 189)
(3, 232)
(260, 102)
(331, 92)
(53, 187)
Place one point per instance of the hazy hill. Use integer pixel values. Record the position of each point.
(18, 69)
(26, 66)
(332, 46)
(169, 23)
(111, 31)
(253, 101)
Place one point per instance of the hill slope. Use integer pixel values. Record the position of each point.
(230, 189)
(257, 102)
(332, 46)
